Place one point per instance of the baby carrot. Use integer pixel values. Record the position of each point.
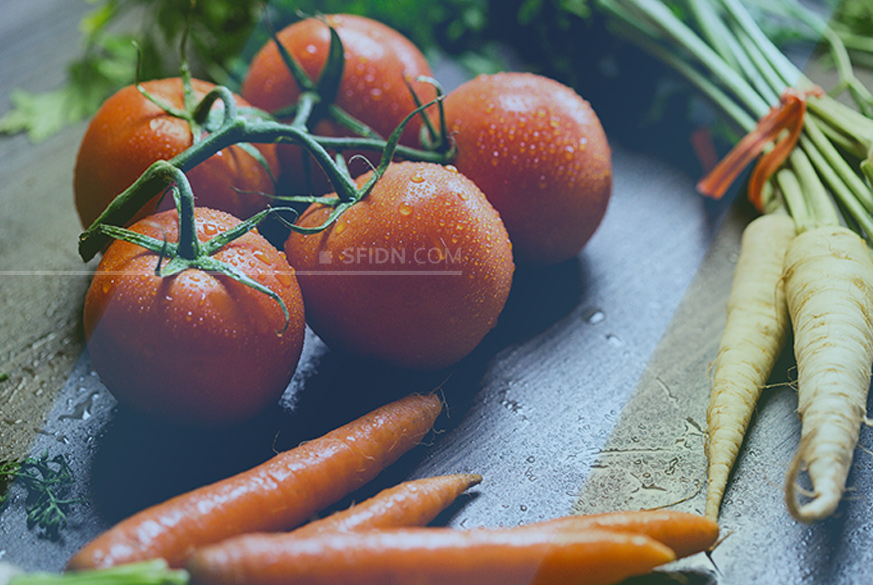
(430, 556)
(754, 333)
(829, 288)
(411, 503)
(277, 495)
(683, 532)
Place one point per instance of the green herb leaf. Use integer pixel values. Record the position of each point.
(47, 482)
(39, 115)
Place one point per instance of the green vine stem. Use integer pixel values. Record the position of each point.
(246, 126)
(237, 127)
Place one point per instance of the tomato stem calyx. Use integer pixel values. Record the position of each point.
(189, 252)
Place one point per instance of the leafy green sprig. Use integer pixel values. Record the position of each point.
(46, 482)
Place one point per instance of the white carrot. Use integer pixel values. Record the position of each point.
(754, 333)
(829, 290)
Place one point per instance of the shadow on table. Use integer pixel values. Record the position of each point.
(139, 462)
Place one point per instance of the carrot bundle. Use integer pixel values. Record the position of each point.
(596, 549)
(277, 495)
(810, 146)
(754, 333)
(829, 289)
(592, 549)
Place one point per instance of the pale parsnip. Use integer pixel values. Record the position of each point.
(753, 336)
(829, 290)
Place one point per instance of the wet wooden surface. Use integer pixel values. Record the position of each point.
(589, 396)
(42, 278)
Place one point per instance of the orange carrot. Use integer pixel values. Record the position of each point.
(277, 495)
(411, 503)
(683, 532)
(524, 555)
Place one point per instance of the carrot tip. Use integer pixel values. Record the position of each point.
(473, 479)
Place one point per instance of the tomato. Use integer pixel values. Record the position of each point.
(414, 275)
(539, 153)
(373, 88)
(129, 132)
(196, 347)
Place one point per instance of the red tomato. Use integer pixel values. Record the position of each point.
(414, 275)
(196, 347)
(538, 152)
(129, 133)
(378, 60)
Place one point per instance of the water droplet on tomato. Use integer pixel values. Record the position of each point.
(404, 208)
(452, 168)
(416, 179)
(340, 228)
(210, 229)
(463, 196)
(262, 256)
(284, 278)
(106, 286)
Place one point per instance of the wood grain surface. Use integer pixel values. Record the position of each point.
(42, 278)
(590, 395)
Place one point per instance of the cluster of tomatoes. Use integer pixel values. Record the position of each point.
(413, 274)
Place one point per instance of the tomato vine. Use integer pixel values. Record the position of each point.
(252, 126)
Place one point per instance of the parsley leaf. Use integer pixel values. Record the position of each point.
(46, 482)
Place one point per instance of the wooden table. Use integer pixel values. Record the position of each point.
(589, 396)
